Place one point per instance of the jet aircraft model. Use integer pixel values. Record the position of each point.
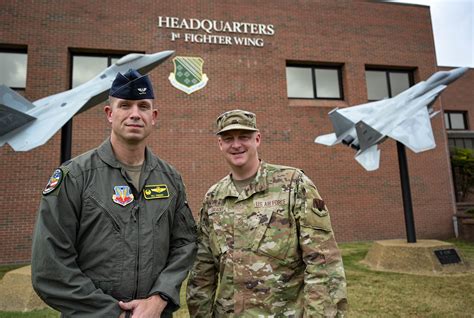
(405, 117)
(25, 125)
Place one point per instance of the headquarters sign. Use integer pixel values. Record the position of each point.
(206, 31)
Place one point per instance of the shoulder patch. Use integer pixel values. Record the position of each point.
(54, 181)
(318, 204)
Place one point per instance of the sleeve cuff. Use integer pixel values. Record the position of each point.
(165, 297)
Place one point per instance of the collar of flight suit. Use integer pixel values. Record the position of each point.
(107, 155)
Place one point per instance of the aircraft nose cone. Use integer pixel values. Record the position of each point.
(459, 71)
(163, 55)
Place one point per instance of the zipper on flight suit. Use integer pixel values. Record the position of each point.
(109, 215)
(136, 218)
(135, 214)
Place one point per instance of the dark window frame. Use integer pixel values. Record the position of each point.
(313, 67)
(109, 57)
(19, 50)
(410, 72)
(464, 117)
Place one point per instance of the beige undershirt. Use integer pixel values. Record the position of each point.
(242, 184)
(134, 173)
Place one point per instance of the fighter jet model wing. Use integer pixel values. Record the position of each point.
(405, 117)
(25, 125)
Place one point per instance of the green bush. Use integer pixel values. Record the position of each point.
(462, 161)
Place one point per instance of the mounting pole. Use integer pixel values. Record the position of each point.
(406, 193)
(66, 141)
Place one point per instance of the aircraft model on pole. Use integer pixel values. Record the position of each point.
(25, 125)
(405, 118)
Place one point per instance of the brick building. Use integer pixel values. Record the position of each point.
(258, 55)
(457, 101)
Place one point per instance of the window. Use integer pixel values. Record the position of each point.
(455, 120)
(459, 142)
(13, 68)
(85, 67)
(386, 84)
(321, 82)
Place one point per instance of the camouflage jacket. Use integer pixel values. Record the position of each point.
(266, 252)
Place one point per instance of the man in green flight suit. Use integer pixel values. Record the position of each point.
(114, 234)
(266, 246)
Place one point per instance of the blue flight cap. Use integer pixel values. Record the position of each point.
(132, 85)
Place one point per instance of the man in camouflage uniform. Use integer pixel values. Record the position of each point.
(266, 244)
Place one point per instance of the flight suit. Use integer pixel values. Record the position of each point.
(99, 240)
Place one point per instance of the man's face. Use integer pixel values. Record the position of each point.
(132, 120)
(240, 148)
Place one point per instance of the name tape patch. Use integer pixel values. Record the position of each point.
(155, 191)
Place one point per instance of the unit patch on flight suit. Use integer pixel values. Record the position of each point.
(53, 182)
(123, 195)
(155, 191)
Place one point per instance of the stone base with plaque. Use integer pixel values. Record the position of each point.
(425, 257)
(16, 292)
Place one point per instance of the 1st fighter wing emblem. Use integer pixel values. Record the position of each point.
(188, 76)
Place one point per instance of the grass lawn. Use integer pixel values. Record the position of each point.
(382, 294)
(378, 294)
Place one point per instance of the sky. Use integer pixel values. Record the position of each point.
(453, 30)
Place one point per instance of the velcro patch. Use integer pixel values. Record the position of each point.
(53, 182)
(318, 204)
(123, 195)
(156, 191)
(319, 207)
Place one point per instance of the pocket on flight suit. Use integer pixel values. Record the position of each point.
(100, 241)
(161, 230)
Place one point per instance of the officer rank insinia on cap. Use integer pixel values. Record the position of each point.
(236, 119)
(132, 85)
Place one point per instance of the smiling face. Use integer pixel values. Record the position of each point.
(239, 148)
(132, 120)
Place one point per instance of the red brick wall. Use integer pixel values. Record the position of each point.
(460, 95)
(364, 206)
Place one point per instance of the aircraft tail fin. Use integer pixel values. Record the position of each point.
(434, 113)
(340, 123)
(369, 159)
(13, 108)
(367, 135)
(328, 140)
